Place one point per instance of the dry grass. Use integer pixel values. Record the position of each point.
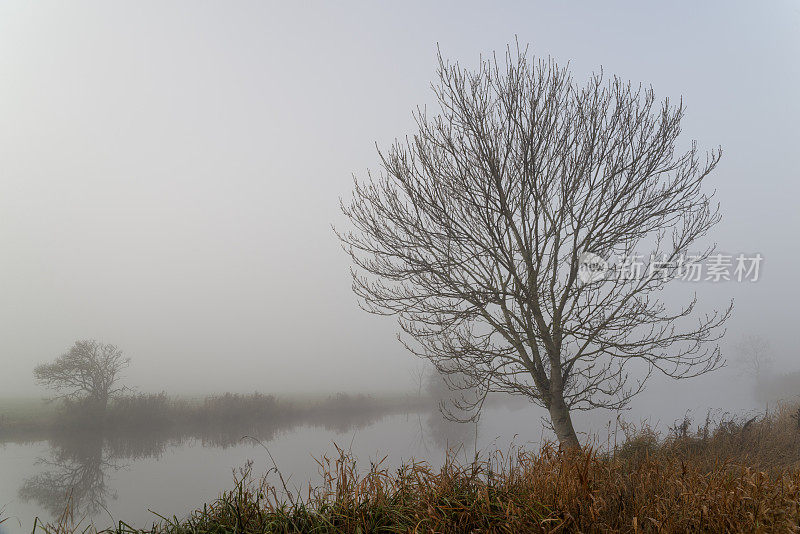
(731, 476)
(545, 492)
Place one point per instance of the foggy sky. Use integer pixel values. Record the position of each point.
(169, 171)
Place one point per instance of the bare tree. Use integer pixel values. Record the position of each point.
(474, 231)
(754, 355)
(89, 371)
(755, 360)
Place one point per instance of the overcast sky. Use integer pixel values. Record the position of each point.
(169, 171)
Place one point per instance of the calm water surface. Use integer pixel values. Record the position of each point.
(133, 477)
(130, 478)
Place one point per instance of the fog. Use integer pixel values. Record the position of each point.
(169, 173)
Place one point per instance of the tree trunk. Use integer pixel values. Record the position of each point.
(562, 423)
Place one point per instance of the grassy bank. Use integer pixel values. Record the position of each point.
(155, 414)
(27, 414)
(735, 475)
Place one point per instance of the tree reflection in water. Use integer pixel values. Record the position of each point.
(76, 475)
(78, 466)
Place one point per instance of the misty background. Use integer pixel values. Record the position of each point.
(169, 173)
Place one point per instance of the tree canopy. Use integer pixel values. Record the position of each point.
(89, 370)
(474, 230)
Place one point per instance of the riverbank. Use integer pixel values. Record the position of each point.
(25, 420)
(732, 475)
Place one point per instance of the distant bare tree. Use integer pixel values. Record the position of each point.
(754, 358)
(89, 371)
(474, 232)
(754, 355)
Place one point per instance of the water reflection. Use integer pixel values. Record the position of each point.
(448, 435)
(77, 474)
(436, 435)
(78, 466)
